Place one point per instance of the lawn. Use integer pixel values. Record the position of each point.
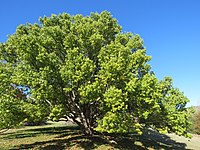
(58, 136)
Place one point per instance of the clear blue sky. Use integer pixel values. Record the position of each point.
(170, 29)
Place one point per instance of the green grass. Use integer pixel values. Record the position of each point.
(58, 136)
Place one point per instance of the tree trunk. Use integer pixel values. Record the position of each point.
(82, 120)
(85, 126)
(87, 130)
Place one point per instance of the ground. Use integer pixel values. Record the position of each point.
(59, 136)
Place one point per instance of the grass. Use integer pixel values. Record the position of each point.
(59, 136)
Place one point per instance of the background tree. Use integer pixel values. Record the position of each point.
(15, 107)
(87, 69)
(11, 111)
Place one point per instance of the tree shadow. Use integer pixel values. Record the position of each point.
(151, 137)
(59, 144)
(38, 131)
(71, 136)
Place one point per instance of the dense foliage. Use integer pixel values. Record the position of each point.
(87, 69)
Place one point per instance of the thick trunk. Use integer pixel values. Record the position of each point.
(84, 126)
(87, 130)
(80, 116)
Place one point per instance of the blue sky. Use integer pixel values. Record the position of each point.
(170, 29)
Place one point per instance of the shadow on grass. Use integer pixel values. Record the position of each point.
(70, 136)
(155, 140)
(38, 131)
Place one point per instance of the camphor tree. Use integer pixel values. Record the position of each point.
(87, 69)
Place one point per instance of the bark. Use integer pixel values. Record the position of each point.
(82, 123)
(79, 117)
(86, 128)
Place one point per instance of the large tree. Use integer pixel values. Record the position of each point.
(87, 69)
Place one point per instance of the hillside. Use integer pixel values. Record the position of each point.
(197, 108)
